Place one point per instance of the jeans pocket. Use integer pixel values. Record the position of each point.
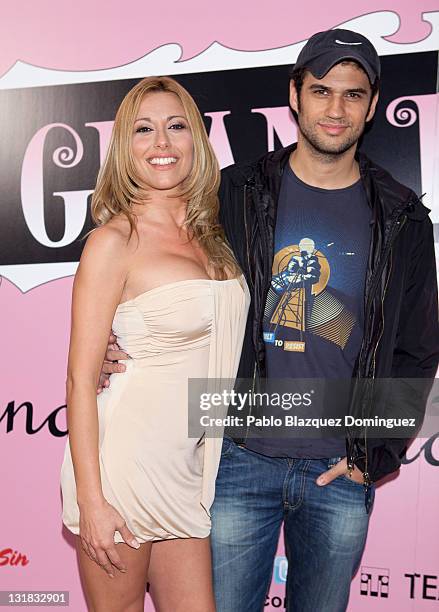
(227, 447)
(352, 481)
(333, 461)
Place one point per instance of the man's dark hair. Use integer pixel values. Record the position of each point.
(298, 77)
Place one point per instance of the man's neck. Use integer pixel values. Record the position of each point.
(324, 171)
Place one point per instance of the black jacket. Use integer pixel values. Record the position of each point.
(401, 331)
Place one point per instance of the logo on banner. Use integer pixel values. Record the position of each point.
(374, 581)
(429, 449)
(423, 586)
(53, 157)
(276, 602)
(280, 570)
(12, 558)
(24, 414)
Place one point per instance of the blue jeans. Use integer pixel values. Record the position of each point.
(325, 531)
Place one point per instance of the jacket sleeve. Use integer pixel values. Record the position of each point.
(416, 352)
(231, 215)
(225, 204)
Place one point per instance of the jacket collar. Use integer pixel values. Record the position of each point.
(273, 164)
(381, 188)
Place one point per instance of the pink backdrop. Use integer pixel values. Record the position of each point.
(35, 552)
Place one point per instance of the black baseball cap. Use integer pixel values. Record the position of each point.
(326, 49)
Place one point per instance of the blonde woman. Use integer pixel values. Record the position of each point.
(157, 271)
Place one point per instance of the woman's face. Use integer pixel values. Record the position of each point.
(163, 146)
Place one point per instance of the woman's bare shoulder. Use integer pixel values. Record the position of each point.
(115, 234)
(107, 244)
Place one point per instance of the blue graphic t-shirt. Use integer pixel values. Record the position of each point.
(313, 320)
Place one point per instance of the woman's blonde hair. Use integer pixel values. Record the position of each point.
(119, 186)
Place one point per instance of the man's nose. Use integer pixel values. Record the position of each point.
(336, 108)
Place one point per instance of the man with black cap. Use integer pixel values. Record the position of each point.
(339, 258)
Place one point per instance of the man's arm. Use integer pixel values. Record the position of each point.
(416, 352)
(231, 211)
(415, 356)
(417, 347)
(225, 196)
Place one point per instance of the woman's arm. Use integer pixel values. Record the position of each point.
(97, 290)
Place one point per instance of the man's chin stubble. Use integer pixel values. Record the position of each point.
(322, 152)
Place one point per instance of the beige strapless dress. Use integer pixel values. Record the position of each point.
(160, 480)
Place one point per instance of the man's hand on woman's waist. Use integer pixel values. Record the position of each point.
(111, 365)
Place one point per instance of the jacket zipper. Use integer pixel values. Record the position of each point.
(252, 286)
(399, 224)
(247, 238)
(366, 476)
(392, 236)
(250, 410)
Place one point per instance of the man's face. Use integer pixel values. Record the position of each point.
(332, 111)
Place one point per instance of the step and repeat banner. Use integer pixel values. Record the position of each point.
(62, 82)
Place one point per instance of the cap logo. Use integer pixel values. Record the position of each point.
(340, 42)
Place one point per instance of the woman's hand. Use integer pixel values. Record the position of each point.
(97, 524)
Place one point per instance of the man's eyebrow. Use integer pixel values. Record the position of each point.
(319, 86)
(360, 90)
(167, 118)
